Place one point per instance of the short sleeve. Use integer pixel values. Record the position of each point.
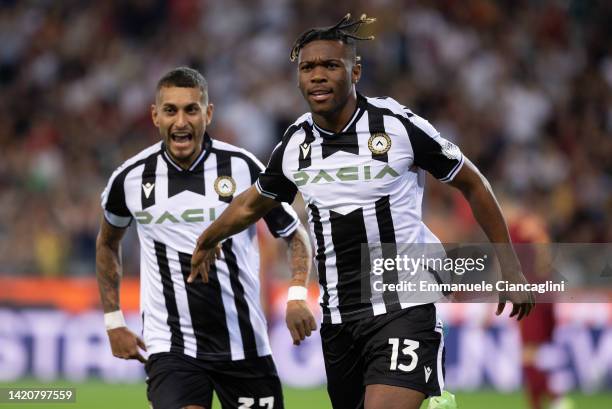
(114, 206)
(282, 221)
(272, 182)
(440, 157)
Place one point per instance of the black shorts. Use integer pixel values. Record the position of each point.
(177, 380)
(402, 348)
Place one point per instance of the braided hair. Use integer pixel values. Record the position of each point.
(344, 30)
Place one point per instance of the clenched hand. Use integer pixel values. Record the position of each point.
(300, 320)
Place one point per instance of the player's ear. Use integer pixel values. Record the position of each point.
(356, 73)
(210, 109)
(154, 115)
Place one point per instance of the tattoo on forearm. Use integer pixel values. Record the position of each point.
(108, 266)
(108, 283)
(300, 258)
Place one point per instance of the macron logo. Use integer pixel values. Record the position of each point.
(148, 188)
(427, 373)
(305, 149)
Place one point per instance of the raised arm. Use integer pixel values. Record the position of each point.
(244, 210)
(487, 213)
(124, 343)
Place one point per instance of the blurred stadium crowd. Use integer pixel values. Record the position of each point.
(524, 87)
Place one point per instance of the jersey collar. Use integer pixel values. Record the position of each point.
(361, 103)
(206, 145)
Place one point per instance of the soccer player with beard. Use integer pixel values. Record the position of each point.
(201, 336)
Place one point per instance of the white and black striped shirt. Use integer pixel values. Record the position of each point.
(221, 320)
(362, 185)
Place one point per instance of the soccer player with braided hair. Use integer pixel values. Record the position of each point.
(360, 164)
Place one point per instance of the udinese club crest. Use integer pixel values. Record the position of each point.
(225, 186)
(379, 143)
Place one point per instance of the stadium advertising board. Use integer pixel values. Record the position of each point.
(69, 341)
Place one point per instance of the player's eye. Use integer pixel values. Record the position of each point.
(169, 110)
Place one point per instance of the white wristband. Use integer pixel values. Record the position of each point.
(297, 292)
(114, 320)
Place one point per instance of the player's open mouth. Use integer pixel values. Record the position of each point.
(181, 137)
(320, 95)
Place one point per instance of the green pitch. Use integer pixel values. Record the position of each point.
(100, 395)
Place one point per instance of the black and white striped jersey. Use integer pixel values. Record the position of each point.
(362, 185)
(221, 320)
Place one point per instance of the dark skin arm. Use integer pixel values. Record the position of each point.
(124, 343)
(246, 209)
(488, 214)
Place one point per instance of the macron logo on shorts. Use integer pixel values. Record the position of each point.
(427, 373)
